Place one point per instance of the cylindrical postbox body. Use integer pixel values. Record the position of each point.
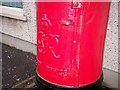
(70, 43)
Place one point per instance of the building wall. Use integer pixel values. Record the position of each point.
(26, 31)
(111, 45)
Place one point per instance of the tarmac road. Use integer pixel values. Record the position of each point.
(16, 66)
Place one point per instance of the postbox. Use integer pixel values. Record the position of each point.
(70, 44)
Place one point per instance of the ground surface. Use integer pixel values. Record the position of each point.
(16, 66)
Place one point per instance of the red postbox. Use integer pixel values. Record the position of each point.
(70, 44)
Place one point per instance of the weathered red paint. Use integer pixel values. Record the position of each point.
(70, 42)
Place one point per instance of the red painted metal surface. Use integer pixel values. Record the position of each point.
(70, 41)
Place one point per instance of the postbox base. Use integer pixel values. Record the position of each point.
(43, 85)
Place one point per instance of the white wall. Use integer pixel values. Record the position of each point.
(27, 31)
(21, 29)
(111, 46)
